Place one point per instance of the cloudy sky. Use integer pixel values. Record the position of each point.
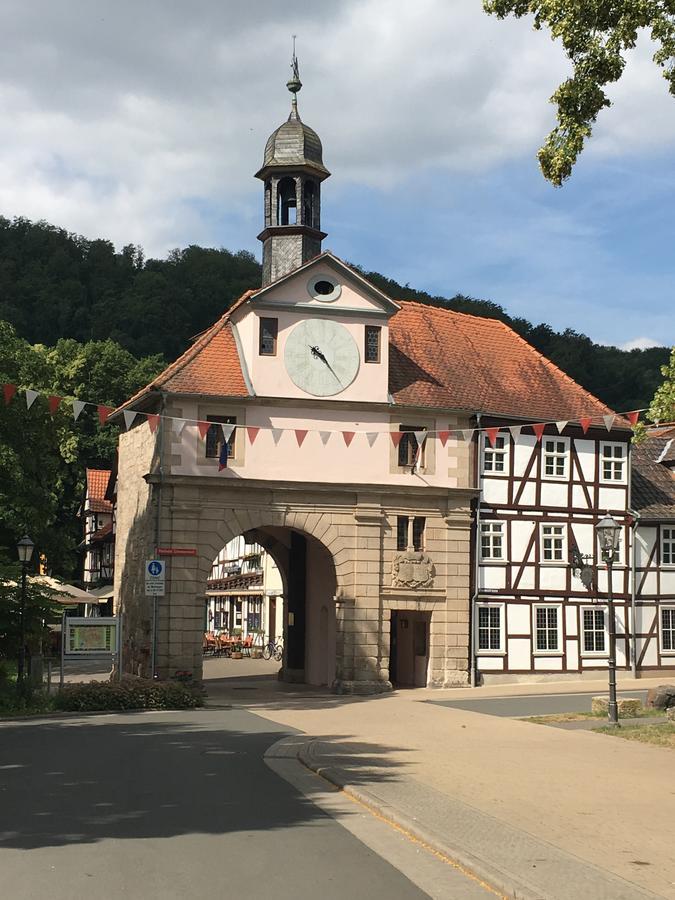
(144, 122)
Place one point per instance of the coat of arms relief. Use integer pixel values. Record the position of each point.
(412, 569)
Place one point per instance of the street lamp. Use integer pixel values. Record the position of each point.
(609, 535)
(25, 550)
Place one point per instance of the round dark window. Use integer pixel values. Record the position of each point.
(324, 288)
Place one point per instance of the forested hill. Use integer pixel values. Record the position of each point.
(54, 284)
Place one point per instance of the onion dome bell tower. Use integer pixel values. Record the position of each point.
(292, 172)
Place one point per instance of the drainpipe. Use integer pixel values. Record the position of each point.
(473, 673)
(158, 516)
(633, 590)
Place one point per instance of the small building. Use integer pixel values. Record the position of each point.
(653, 561)
(244, 592)
(98, 545)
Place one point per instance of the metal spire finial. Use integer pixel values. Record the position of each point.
(294, 84)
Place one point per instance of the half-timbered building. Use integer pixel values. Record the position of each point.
(653, 560)
(98, 544)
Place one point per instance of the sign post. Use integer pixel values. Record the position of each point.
(155, 572)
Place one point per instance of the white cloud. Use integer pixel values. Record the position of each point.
(640, 343)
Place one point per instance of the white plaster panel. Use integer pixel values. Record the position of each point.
(522, 453)
(586, 453)
(548, 663)
(552, 578)
(651, 657)
(527, 580)
(572, 648)
(554, 493)
(667, 581)
(495, 491)
(518, 618)
(649, 586)
(521, 532)
(491, 663)
(611, 498)
(519, 653)
(579, 500)
(493, 577)
(621, 657)
(594, 662)
(571, 620)
(644, 544)
(645, 618)
(529, 495)
(584, 536)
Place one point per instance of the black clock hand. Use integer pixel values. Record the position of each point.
(319, 355)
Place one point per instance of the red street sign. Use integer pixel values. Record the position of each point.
(176, 551)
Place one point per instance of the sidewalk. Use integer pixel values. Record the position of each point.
(587, 799)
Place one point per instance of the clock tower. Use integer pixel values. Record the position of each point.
(292, 173)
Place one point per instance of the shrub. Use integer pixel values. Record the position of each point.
(130, 693)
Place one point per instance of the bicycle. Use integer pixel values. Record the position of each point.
(273, 648)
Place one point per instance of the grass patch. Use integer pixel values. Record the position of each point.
(661, 735)
(554, 718)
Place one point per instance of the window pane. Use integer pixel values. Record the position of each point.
(401, 532)
(372, 348)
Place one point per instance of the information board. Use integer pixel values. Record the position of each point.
(96, 636)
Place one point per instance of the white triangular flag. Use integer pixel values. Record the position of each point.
(561, 426)
(515, 431)
(371, 437)
(467, 436)
(179, 425)
(129, 416)
(420, 437)
(228, 428)
(276, 434)
(31, 397)
(325, 436)
(78, 406)
(609, 421)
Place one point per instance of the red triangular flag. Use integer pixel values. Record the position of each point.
(348, 436)
(202, 428)
(252, 433)
(585, 423)
(103, 413)
(443, 437)
(633, 418)
(492, 435)
(8, 390)
(539, 430)
(53, 402)
(300, 435)
(153, 422)
(396, 437)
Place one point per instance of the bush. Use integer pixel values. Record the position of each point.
(130, 693)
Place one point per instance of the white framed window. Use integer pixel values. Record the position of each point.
(495, 459)
(546, 628)
(593, 631)
(556, 457)
(613, 463)
(492, 541)
(667, 626)
(490, 628)
(553, 543)
(668, 545)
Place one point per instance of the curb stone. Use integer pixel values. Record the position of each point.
(606, 885)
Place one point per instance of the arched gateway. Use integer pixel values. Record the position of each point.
(315, 415)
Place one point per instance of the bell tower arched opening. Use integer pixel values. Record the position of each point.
(287, 204)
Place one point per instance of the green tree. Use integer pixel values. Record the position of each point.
(662, 407)
(595, 35)
(41, 610)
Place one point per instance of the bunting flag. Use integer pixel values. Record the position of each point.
(420, 437)
(396, 437)
(371, 437)
(179, 425)
(252, 433)
(539, 430)
(585, 423)
(31, 397)
(609, 421)
(515, 431)
(467, 436)
(103, 413)
(53, 403)
(203, 428)
(348, 437)
(443, 437)
(222, 458)
(153, 422)
(633, 417)
(276, 434)
(8, 390)
(300, 435)
(227, 428)
(78, 406)
(129, 416)
(492, 435)
(561, 426)
(325, 437)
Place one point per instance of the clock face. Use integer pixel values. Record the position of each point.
(321, 357)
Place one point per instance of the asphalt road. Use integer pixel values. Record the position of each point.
(182, 805)
(533, 704)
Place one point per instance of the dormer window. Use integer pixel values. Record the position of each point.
(372, 344)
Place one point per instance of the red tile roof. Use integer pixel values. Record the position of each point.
(438, 358)
(97, 483)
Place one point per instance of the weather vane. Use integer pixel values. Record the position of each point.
(294, 84)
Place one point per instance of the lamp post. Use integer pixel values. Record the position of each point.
(609, 534)
(25, 550)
